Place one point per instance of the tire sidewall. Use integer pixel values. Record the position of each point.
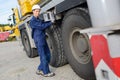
(24, 34)
(51, 40)
(71, 22)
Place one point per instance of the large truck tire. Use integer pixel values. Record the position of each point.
(31, 52)
(76, 45)
(55, 44)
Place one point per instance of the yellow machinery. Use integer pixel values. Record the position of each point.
(32, 2)
(12, 30)
(26, 6)
(1, 29)
(80, 25)
(17, 21)
(15, 32)
(7, 28)
(16, 14)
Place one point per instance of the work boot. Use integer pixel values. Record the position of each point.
(51, 74)
(39, 72)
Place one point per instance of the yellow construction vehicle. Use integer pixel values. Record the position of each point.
(11, 31)
(16, 15)
(71, 36)
(63, 13)
(7, 28)
(1, 29)
(16, 20)
(26, 6)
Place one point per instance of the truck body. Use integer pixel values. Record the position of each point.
(81, 26)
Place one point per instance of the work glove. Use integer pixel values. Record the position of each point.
(53, 21)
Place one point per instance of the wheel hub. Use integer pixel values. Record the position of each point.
(79, 45)
(80, 41)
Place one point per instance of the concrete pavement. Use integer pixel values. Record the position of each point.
(15, 65)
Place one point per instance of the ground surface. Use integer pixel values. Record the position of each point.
(15, 65)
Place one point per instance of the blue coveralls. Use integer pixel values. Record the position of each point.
(38, 34)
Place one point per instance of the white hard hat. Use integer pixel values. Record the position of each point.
(36, 7)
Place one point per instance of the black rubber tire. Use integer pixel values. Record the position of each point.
(55, 44)
(74, 20)
(31, 52)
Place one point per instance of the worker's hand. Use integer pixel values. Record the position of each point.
(53, 21)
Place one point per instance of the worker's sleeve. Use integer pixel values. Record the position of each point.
(40, 25)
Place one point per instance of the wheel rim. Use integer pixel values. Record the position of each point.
(79, 45)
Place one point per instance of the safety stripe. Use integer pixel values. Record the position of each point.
(116, 64)
(100, 51)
